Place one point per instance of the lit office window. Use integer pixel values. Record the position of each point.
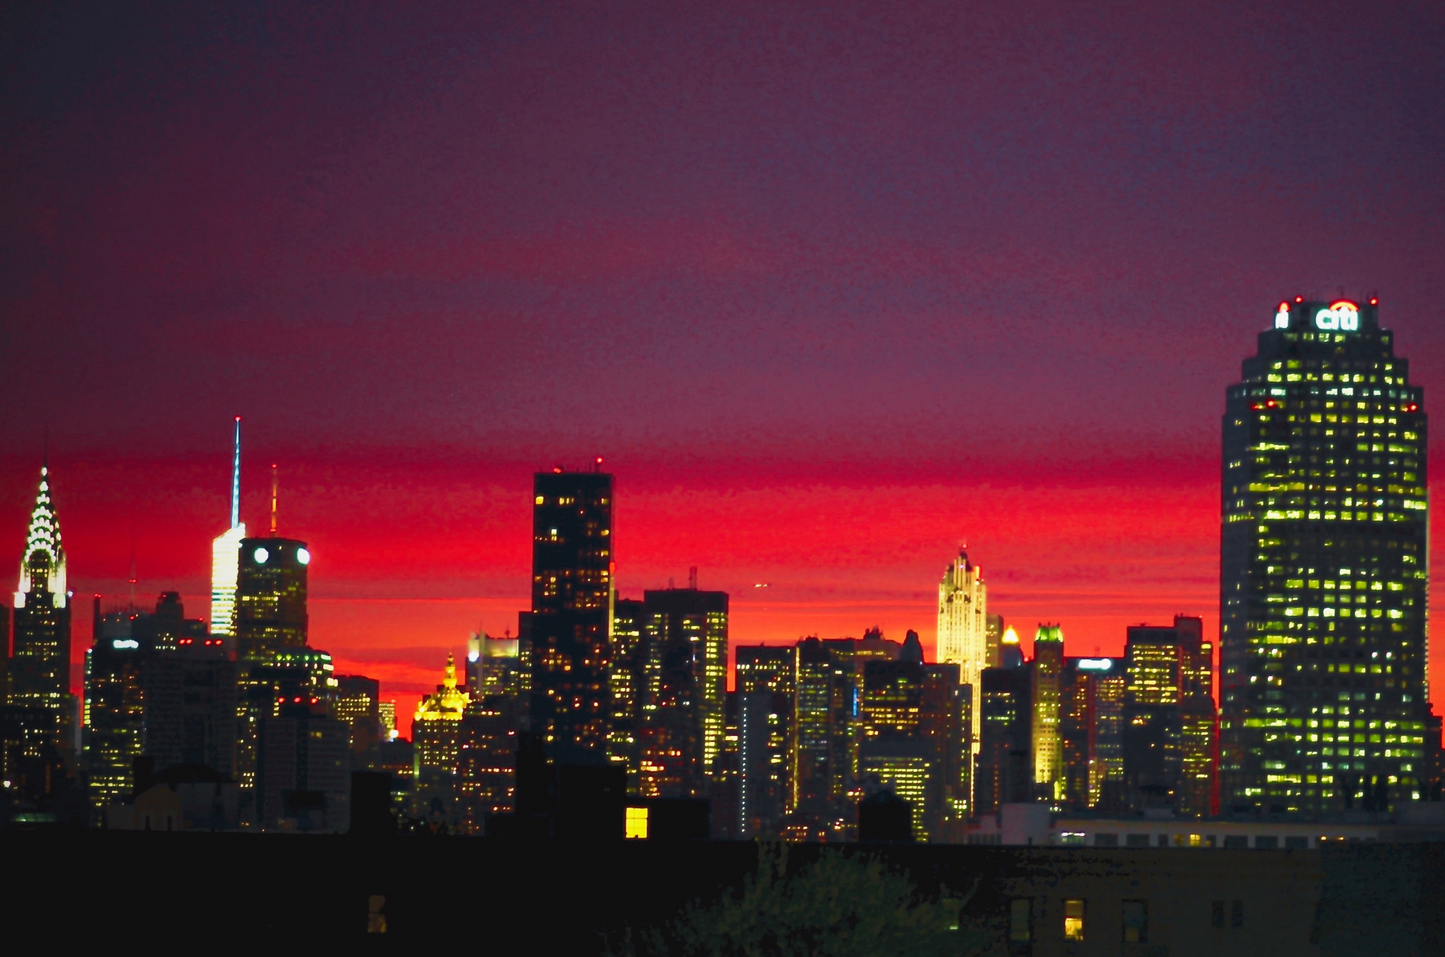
(636, 823)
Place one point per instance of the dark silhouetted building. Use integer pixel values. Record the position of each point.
(303, 779)
(1324, 566)
(1003, 773)
(192, 699)
(571, 654)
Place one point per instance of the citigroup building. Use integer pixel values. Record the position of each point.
(1324, 569)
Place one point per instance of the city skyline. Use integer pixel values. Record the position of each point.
(828, 297)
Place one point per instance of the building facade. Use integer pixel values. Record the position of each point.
(1324, 566)
(963, 624)
(40, 659)
(571, 630)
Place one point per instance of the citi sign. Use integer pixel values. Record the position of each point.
(1342, 316)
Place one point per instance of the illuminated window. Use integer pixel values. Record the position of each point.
(636, 823)
(1074, 919)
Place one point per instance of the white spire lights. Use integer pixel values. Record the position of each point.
(226, 552)
(43, 537)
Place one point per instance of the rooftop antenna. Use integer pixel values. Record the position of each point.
(132, 565)
(274, 484)
(236, 479)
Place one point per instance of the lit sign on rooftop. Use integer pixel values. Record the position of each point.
(1095, 664)
(1342, 316)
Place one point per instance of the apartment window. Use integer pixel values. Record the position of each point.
(1136, 922)
(1236, 840)
(635, 823)
(1163, 840)
(1297, 843)
(1020, 920)
(1236, 915)
(1074, 919)
(1263, 843)
(1138, 840)
(1106, 840)
(1216, 914)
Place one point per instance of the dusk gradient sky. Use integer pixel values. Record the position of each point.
(832, 287)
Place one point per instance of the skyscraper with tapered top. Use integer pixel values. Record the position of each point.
(225, 552)
(963, 629)
(40, 666)
(1324, 567)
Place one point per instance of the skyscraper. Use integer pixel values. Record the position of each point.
(271, 614)
(40, 666)
(572, 612)
(685, 637)
(436, 735)
(1090, 731)
(963, 627)
(1047, 693)
(225, 550)
(1324, 566)
(765, 717)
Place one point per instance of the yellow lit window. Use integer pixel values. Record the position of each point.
(636, 823)
(1073, 920)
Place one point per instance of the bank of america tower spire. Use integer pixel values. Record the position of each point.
(1323, 568)
(225, 552)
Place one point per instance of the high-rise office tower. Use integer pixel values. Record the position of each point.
(1324, 565)
(271, 614)
(963, 625)
(225, 552)
(947, 723)
(490, 726)
(1003, 772)
(571, 633)
(993, 639)
(436, 735)
(191, 706)
(685, 641)
(1153, 659)
(1090, 732)
(40, 662)
(627, 679)
(893, 750)
(823, 698)
(765, 717)
(114, 706)
(1047, 686)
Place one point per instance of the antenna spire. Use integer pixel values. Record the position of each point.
(236, 479)
(132, 565)
(274, 486)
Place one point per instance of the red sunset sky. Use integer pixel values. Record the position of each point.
(832, 287)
